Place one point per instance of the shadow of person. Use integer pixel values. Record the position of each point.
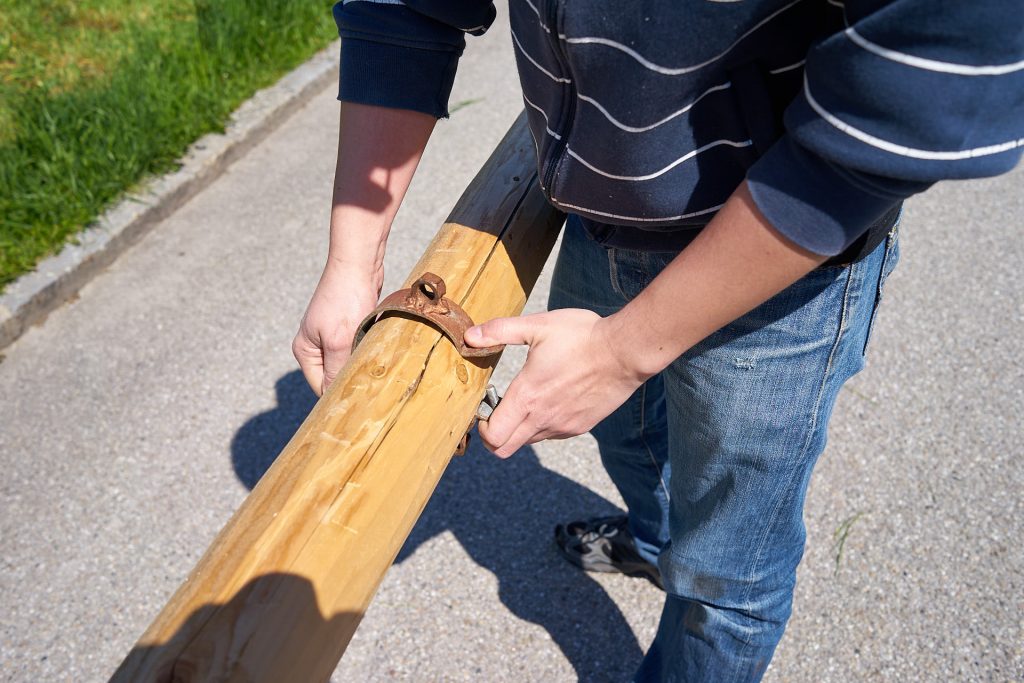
(260, 440)
(503, 514)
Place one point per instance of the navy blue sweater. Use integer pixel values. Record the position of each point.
(647, 115)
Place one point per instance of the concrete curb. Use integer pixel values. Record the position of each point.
(29, 299)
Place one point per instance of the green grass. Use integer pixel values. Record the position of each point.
(97, 94)
(839, 537)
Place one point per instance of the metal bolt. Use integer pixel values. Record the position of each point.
(488, 404)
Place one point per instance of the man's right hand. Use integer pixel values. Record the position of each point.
(343, 298)
(378, 150)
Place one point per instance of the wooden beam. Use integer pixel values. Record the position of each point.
(280, 591)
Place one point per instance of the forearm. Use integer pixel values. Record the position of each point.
(737, 262)
(378, 151)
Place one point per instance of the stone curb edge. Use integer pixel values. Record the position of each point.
(32, 297)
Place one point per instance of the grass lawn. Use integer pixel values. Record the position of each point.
(97, 94)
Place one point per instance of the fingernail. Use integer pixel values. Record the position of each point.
(474, 333)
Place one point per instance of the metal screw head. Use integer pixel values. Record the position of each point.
(488, 404)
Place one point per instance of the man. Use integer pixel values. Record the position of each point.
(733, 173)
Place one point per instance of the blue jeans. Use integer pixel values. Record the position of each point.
(713, 455)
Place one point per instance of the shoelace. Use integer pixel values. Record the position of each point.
(603, 531)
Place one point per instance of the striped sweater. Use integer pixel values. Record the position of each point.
(647, 115)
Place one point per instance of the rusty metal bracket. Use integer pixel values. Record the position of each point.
(426, 300)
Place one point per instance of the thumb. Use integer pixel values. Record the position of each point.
(521, 330)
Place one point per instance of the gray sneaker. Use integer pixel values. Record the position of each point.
(604, 544)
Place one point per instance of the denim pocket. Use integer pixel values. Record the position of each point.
(889, 261)
(629, 271)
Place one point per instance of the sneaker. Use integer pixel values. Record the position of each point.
(604, 544)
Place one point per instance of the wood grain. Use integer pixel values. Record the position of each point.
(282, 588)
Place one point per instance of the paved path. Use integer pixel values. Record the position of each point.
(135, 419)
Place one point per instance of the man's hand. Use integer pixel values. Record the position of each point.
(571, 379)
(581, 367)
(343, 298)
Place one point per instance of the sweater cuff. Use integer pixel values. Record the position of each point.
(816, 204)
(396, 76)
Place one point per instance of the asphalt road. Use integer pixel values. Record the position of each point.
(136, 418)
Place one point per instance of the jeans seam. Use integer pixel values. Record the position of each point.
(613, 275)
(890, 245)
(643, 439)
(803, 451)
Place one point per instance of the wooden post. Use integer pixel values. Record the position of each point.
(279, 593)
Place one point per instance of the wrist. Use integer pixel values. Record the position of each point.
(628, 352)
(365, 268)
(356, 253)
(359, 273)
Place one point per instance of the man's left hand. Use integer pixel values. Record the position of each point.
(573, 377)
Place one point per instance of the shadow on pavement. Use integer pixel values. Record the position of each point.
(263, 437)
(503, 513)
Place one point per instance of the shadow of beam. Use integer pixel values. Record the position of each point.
(503, 514)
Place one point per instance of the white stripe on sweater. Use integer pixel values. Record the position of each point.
(649, 176)
(644, 129)
(533, 61)
(547, 127)
(784, 69)
(660, 172)
(638, 219)
(932, 64)
(537, 12)
(903, 150)
(669, 71)
(842, 6)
